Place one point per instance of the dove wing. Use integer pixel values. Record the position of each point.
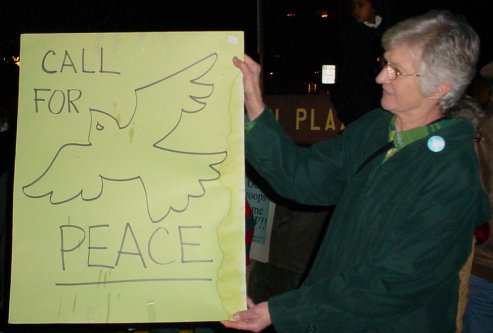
(160, 104)
(70, 174)
(178, 178)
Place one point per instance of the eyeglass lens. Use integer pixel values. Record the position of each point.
(391, 72)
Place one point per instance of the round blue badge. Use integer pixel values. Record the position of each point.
(436, 143)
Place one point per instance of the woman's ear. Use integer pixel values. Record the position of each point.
(442, 90)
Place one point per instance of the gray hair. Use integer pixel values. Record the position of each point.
(448, 49)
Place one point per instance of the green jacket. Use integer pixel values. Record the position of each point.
(398, 237)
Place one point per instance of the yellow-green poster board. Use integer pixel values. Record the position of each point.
(129, 179)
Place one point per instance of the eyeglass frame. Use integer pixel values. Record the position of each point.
(384, 64)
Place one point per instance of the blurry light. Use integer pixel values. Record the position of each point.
(312, 88)
(291, 14)
(324, 14)
(11, 60)
(271, 73)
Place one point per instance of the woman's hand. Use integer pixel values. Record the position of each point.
(254, 103)
(255, 319)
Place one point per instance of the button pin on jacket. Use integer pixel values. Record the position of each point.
(436, 143)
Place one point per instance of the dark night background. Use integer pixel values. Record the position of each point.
(292, 48)
(291, 38)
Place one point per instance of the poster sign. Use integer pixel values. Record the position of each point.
(129, 179)
(263, 211)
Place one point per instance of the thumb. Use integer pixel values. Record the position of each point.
(250, 303)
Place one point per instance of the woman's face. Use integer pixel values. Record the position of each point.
(402, 95)
(363, 11)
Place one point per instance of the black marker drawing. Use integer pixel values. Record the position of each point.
(82, 169)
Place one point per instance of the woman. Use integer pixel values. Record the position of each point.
(406, 210)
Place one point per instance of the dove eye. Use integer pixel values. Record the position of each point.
(99, 127)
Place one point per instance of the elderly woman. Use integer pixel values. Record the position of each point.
(405, 182)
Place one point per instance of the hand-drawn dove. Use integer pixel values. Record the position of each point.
(169, 177)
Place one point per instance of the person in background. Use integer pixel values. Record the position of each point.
(355, 91)
(406, 183)
(478, 317)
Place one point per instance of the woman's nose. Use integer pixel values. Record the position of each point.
(382, 77)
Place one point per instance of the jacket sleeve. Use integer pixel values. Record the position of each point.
(423, 256)
(312, 176)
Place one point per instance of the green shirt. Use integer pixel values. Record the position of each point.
(404, 138)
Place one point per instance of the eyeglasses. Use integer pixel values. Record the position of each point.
(392, 72)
